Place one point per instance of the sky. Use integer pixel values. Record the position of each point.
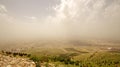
(60, 19)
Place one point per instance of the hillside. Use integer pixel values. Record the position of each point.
(9, 61)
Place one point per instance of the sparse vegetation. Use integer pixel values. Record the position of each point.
(15, 54)
(97, 59)
(80, 56)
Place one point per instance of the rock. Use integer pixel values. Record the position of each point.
(9, 66)
(7, 61)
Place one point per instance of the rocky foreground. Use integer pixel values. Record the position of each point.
(9, 61)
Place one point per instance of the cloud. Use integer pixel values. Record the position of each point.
(3, 9)
(86, 9)
(4, 16)
(32, 18)
(89, 17)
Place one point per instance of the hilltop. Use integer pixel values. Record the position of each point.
(10, 61)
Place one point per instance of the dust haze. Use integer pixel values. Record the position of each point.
(69, 19)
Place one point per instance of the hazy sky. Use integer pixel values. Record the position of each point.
(60, 18)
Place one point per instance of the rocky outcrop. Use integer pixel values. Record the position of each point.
(9, 61)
